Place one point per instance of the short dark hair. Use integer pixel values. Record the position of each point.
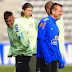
(48, 5)
(54, 7)
(27, 5)
(7, 14)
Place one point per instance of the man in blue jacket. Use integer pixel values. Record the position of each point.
(60, 24)
(48, 52)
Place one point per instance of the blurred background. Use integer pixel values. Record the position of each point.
(38, 13)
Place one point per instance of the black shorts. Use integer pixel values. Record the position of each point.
(22, 63)
(43, 67)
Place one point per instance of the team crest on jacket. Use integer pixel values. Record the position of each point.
(31, 25)
(56, 37)
(54, 41)
(16, 27)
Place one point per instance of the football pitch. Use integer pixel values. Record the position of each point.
(11, 69)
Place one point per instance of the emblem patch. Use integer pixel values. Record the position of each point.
(16, 27)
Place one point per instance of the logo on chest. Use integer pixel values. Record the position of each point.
(30, 25)
(54, 41)
(51, 28)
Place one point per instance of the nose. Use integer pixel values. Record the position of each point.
(30, 13)
(61, 13)
(9, 23)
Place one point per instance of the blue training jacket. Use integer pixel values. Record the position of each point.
(47, 41)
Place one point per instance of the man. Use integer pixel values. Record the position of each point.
(60, 24)
(30, 25)
(48, 52)
(19, 43)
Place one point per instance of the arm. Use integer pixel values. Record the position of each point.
(61, 62)
(9, 53)
(44, 50)
(36, 25)
(42, 43)
(21, 34)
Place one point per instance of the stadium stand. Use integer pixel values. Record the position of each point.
(38, 13)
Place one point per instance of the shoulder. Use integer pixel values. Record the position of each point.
(17, 23)
(42, 23)
(44, 19)
(18, 19)
(33, 19)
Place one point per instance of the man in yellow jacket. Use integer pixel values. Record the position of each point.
(22, 34)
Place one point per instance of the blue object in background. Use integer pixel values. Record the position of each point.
(1, 53)
(4, 60)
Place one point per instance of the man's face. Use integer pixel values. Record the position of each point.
(58, 13)
(10, 21)
(28, 12)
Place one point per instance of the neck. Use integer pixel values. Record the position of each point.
(25, 17)
(52, 16)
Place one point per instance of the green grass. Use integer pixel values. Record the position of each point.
(7, 68)
(11, 69)
(66, 69)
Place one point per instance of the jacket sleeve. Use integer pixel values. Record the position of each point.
(10, 53)
(44, 50)
(42, 42)
(21, 34)
(60, 60)
(36, 25)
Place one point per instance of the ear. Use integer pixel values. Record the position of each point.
(23, 10)
(47, 9)
(53, 11)
(13, 18)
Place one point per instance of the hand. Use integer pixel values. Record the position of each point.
(61, 64)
